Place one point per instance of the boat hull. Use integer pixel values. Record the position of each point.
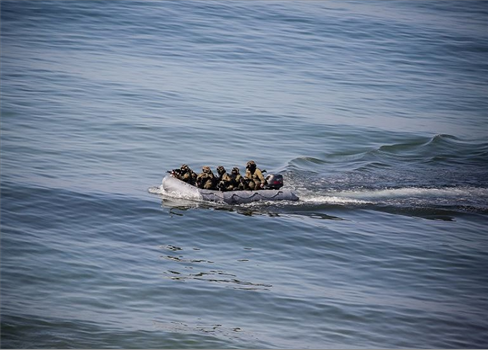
(180, 189)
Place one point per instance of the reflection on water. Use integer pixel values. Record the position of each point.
(199, 327)
(181, 327)
(183, 266)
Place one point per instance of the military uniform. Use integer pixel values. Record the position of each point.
(254, 177)
(206, 179)
(187, 175)
(224, 182)
(237, 181)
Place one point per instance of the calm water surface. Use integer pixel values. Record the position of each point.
(375, 113)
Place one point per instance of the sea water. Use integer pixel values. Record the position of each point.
(375, 112)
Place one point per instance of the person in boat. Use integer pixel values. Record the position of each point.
(186, 174)
(206, 179)
(236, 180)
(254, 176)
(224, 182)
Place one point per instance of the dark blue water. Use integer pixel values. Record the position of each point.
(375, 113)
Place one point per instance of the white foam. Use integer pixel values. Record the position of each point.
(159, 190)
(361, 197)
(156, 190)
(418, 192)
(318, 199)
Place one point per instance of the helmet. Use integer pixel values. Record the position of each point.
(206, 169)
(250, 164)
(184, 167)
(235, 170)
(220, 169)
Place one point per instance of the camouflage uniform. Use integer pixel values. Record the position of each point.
(237, 181)
(187, 175)
(224, 182)
(206, 179)
(254, 177)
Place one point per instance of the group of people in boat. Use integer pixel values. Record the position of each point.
(252, 180)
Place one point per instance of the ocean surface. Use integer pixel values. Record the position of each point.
(376, 114)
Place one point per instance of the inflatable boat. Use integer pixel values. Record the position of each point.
(174, 187)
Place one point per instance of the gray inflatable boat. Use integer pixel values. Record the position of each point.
(176, 188)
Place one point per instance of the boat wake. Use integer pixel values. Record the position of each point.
(428, 203)
(465, 195)
(380, 179)
(415, 199)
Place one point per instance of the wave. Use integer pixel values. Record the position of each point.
(411, 171)
(442, 150)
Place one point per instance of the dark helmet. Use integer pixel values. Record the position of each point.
(206, 169)
(185, 167)
(250, 164)
(220, 169)
(235, 170)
